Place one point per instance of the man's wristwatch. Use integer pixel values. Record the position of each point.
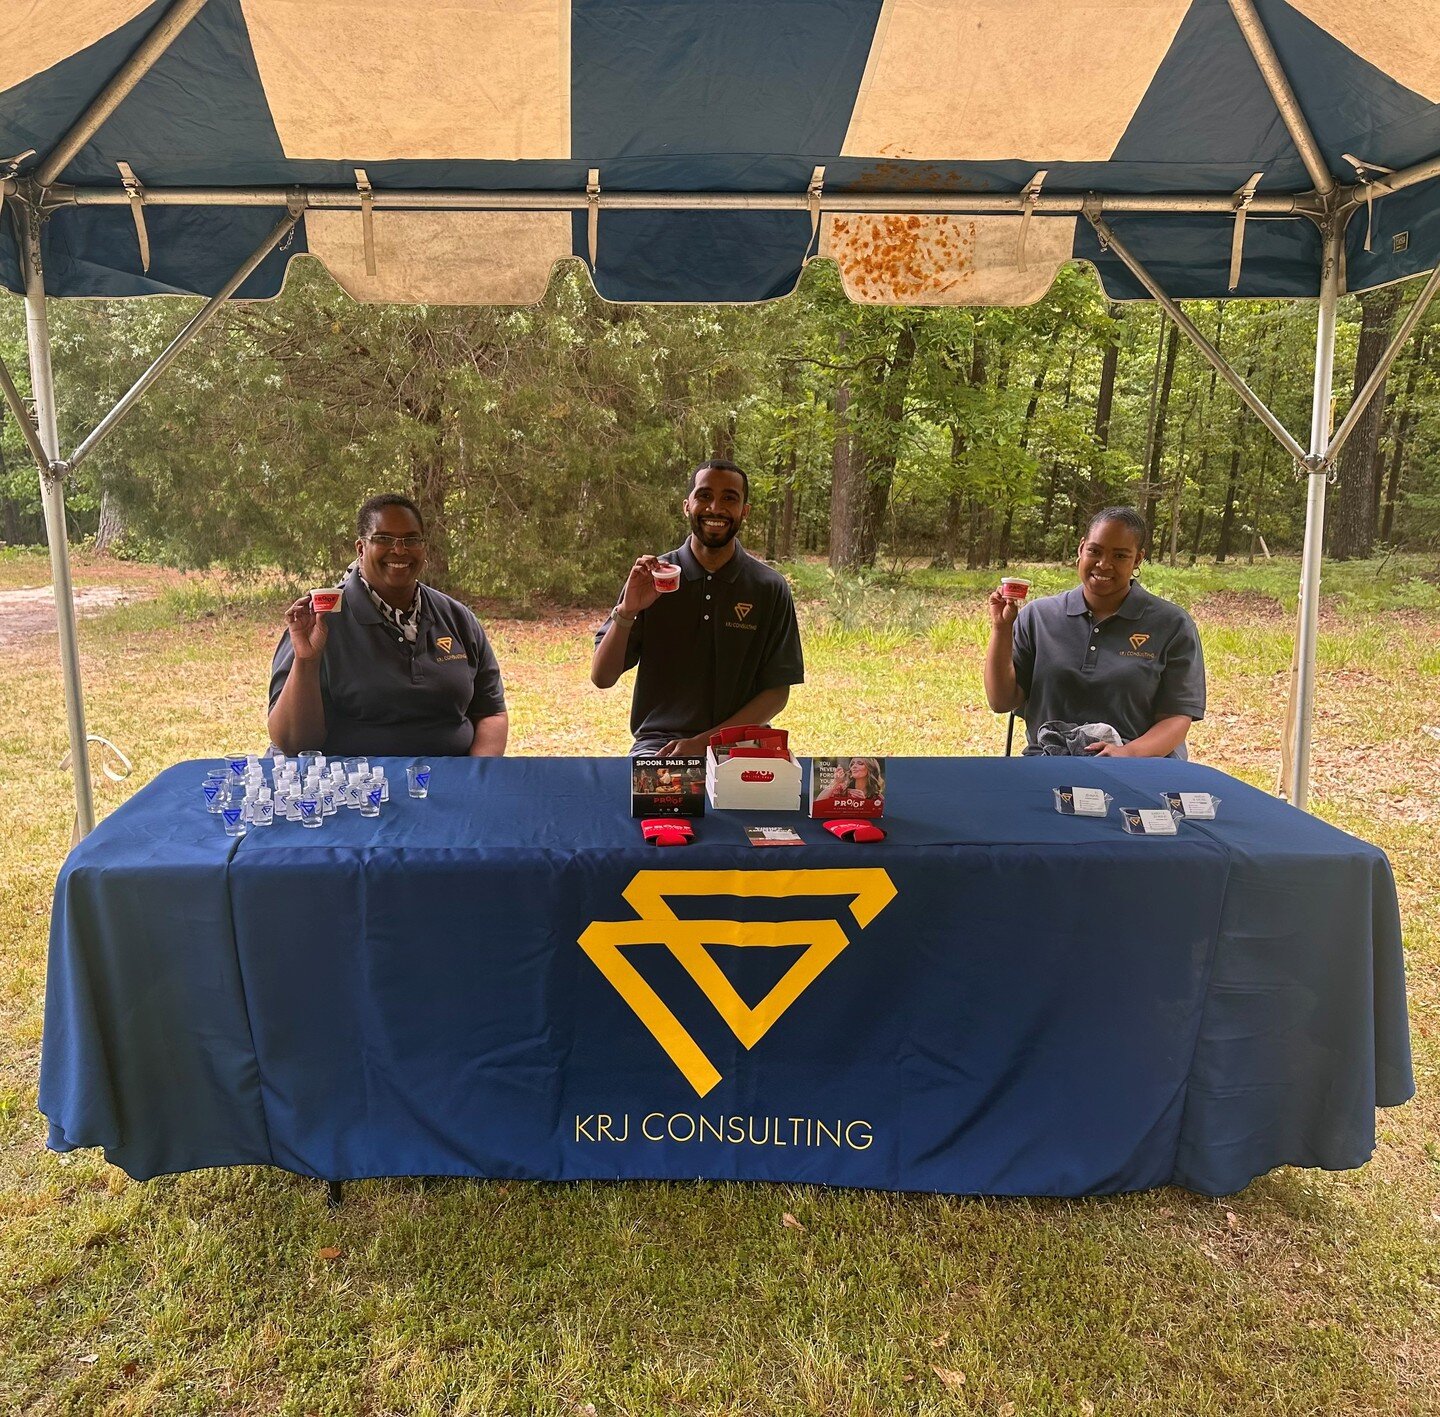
(620, 617)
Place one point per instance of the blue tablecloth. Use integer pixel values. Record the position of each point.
(503, 980)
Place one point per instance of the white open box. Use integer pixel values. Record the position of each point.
(752, 784)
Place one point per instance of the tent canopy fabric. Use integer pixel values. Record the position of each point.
(717, 98)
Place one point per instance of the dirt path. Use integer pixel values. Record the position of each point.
(25, 614)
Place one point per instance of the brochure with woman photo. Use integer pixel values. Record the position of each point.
(847, 787)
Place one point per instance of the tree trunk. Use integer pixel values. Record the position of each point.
(1099, 493)
(1227, 517)
(972, 537)
(1154, 395)
(1157, 445)
(1003, 554)
(950, 533)
(1054, 486)
(787, 514)
(845, 492)
(880, 465)
(1195, 540)
(430, 478)
(1232, 484)
(1037, 387)
(1403, 425)
(1352, 530)
(111, 527)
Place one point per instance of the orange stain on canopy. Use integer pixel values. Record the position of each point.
(903, 259)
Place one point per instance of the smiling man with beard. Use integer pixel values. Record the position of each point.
(400, 670)
(721, 649)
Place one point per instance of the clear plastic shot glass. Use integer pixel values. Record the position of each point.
(370, 801)
(311, 812)
(233, 816)
(418, 777)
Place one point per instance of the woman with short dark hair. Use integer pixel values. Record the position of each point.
(1105, 653)
(400, 670)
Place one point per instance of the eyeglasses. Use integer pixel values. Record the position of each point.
(406, 543)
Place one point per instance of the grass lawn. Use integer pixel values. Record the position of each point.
(237, 1291)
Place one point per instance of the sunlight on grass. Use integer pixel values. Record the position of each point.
(1307, 1293)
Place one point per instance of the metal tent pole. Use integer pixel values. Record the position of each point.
(52, 494)
(1307, 634)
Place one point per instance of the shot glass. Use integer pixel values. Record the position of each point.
(311, 812)
(370, 801)
(418, 777)
(233, 818)
(237, 763)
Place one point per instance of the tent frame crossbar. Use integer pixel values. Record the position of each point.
(1281, 204)
(24, 421)
(1262, 49)
(1212, 356)
(188, 331)
(1381, 371)
(114, 93)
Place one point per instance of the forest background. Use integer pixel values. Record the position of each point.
(880, 438)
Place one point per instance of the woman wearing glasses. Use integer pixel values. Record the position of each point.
(400, 670)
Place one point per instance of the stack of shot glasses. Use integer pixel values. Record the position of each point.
(306, 789)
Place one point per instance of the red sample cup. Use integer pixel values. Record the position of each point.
(666, 576)
(1014, 587)
(322, 602)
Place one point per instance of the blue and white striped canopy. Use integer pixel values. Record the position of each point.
(722, 98)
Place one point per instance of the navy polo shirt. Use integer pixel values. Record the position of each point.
(706, 649)
(1140, 665)
(385, 696)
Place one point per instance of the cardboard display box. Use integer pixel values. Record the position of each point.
(750, 769)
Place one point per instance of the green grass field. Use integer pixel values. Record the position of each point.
(237, 1292)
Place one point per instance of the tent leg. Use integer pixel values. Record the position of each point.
(1307, 633)
(52, 494)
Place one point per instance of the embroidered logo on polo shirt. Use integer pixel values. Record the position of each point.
(742, 609)
(1137, 648)
(446, 641)
(445, 651)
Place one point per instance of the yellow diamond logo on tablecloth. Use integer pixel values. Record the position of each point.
(869, 888)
